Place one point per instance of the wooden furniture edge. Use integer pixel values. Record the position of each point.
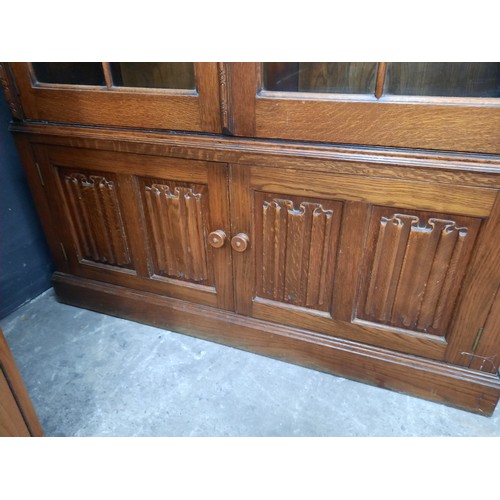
(11, 93)
(18, 388)
(167, 109)
(401, 123)
(452, 385)
(241, 150)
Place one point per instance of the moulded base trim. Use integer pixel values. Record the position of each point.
(436, 381)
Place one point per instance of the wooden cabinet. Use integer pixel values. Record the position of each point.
(376, 263)
(141, 220)
(358, 258)
(451, 106)
(95, 93)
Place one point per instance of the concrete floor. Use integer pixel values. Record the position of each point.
(89, 374)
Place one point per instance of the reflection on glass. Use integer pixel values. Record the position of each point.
(155, 75)
(443, 79)
(70, 73)
(344, 78)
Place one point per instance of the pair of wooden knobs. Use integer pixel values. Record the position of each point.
(239, 242)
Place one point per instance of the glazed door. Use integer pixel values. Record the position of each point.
(446, 106)
(366, 259)
(162, 95)
(147, 222)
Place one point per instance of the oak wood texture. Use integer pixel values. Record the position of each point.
(11, 419)
(141, 220)
(241, 222)
(350, 258)
(460, 127)
(296, 244)
(478, 293)
(379, 86)
(133, 214)
(449, 192)
(416, 262)
(448, 123)
(292, 212)
(452, 385)
(126, 107)
(97, 217)
(435, 166)
(397, 193)
(242, 82)
(17, 414)
(38, 190)
(486, 356)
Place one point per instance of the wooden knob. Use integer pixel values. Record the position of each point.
(240, 242)
(217, 238)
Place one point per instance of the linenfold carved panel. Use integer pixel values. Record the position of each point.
(415, 269)
(176, 221)
(295, 261)
(95, 209)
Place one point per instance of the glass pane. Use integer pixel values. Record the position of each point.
(71, 73)
(157, 75)
(345, 78)
(443, 79)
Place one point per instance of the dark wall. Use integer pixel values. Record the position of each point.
(25, 261)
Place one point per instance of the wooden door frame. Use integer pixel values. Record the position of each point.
(195, 111)
(443, 123)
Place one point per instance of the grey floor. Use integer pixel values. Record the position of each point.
(89, 374)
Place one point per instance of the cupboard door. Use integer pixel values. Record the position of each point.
(364, 258)
(141, 221)
(174, 96)
(447, 106)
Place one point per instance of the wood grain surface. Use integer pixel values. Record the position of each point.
(17, 414)
(370, 251)
(125, 107)
(464, 127)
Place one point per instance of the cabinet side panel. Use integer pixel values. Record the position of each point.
(476, 299)
(486, 356)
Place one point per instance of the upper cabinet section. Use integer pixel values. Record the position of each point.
(445, 106)
(160, 95)
(449, 106)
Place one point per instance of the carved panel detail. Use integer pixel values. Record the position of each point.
(95, 209)
(176, 221)
(416, 270)
(297, 255)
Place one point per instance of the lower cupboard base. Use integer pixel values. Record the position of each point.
(452, 385)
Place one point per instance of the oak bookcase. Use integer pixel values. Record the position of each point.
(341, 216)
